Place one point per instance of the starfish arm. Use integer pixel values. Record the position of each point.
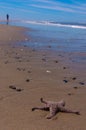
(40, 108)
(41, 99)
(62, 109)
(53, 111)
(50, 116)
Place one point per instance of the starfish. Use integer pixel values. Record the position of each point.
(54, 107)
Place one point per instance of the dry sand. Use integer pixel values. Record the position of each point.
(38, 74)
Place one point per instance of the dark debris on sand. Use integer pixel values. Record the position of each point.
(27, 80)
(15, 88)
(81, 83)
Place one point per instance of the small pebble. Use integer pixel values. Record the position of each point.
(48, 71)
(27, 80)
(64, 67)
(20, 61)
(81, 83)
(17, 57)
(21, 49)
(29, 71)
(6, 62)
(43, 59)
(65, 81)
(75, 87)
(23, 69)
(74, 78)
(12, 87)
(16, 89)
(70, 94)
(56, 61)
(19, 69)
(19, 89)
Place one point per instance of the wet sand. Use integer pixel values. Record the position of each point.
(27, 74)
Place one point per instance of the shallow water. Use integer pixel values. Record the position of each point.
(56, 38)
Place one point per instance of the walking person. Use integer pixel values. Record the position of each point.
(7, 18)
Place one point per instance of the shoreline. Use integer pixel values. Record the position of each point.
(37, 74)
(11, 34)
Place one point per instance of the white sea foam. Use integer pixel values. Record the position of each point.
(55, 24)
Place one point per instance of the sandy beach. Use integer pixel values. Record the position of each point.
(35, 74)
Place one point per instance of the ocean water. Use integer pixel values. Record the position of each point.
(63, 37)
(57, 37)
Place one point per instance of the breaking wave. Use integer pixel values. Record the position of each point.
(70, 25)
